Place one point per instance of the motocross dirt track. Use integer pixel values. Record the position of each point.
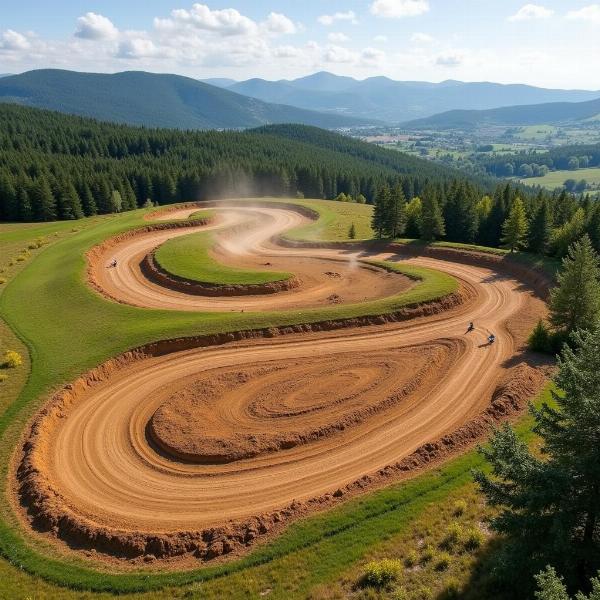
(214, 439)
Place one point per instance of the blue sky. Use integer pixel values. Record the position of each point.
(550, 43)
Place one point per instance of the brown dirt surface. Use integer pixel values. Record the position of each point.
(231, 414)
(199, 447)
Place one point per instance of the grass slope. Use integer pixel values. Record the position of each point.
(555, 179)
(189, 257)
(68, 329)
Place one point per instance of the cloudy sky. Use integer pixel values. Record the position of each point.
(553, 43)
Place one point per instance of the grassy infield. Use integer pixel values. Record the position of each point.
(67, 329)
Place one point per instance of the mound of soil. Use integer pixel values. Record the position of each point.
(230, 414)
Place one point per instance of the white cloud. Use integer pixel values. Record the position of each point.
(338, 54)
(449, 59)
(278, 23)
(225, 22)
(338, 16)
(135, 48)
(338, 37)
(531, 11)
(421, 38)
(397, 9)
(590, 13)
(380, 39)
(13, 40)
(92, 26)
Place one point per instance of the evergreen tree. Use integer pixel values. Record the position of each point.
(540, 229)
(9, 210)
(550, 506)
(102, 196)
(552, 587)
(352, 231)
(432, 221)
(87, 200)
(395, 216)
(570, 232)
(575, 301)
(68, 202)
(24, 203)
(593, 226)
(514, 230)
(382, 201)
(42, 201)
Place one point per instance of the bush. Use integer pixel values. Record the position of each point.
(473, 538)
(454, 535)
(539, 340)
(442, 562)
(427, 554)
(460, 506)
(382, 573)
(3, 377)
(411, 559)
(451, 589)
(299, 195)
(12, 360)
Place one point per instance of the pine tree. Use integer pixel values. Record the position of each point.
(87, 200)
(68, 202)
(42, 200)
(550, 506)
(593, 226)
(395, 217)
(382, 200)
(575, 301)
(540, 229)
(24, 204)
(352, 231)
(514, 230)
(432, 222)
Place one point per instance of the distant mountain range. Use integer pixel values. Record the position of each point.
(322, 99)
(140, 98)
(398, 101)
(553, 113)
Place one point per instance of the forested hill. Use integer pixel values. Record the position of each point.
(154, 100)
(59, 166)
(553, 113)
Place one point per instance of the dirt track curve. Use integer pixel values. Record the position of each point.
(203, 450)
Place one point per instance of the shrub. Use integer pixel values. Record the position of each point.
(400, 594)
(460, 506)
(299, 195)
(453, 536)
(37, 243)
(12, 359)
(539, 340)
(411, 559)
(423, 593)
(3, 377)
(442, 561)
(427, 553)
(21, 258)
(382, 573)
(451, 589)
(473, 538)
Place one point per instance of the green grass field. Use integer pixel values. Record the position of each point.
(554, 179)
(189, 257)
(67, 328)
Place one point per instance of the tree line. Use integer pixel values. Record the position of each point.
(55, 166)
(544, 223)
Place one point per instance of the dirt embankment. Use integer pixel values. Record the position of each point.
(156, 274)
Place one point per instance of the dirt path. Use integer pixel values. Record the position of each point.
(196, 439)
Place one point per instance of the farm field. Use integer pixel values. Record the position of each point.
(555, 179)
(402, 309)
